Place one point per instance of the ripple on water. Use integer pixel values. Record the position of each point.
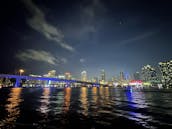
(86, 108)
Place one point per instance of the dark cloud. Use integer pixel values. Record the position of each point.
(40, 24)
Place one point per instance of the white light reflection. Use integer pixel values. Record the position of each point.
(137, 102)
(44, 108)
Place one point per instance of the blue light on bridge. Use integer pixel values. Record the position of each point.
(49, 80)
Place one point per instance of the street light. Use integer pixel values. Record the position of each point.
(21, 71)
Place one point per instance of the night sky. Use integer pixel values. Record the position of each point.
(77, 35)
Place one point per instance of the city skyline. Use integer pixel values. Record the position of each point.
(72, 36)
(146, 73)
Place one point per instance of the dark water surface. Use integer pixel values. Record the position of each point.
(84, 108)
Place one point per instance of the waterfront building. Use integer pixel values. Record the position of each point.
(95, 79)
(136, 76)
(61, 76)
(123, 79)
(84, 76)
(166, 73)
(68, 76)
(121, 76)
(148, 74)
(51, 73)
(102, 76)
(33, 75)
(137, 83)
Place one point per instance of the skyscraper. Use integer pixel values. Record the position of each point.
(148, 74)
(121, 76)
(95, 79)
(51, 73)
(84, 76)
(103, 76)
(136, 76)
(166, 71)
(68, 75)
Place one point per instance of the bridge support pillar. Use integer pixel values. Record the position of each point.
(17, 83)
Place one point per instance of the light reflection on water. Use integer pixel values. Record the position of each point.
(94, 101)
(12, 108)
(67, 97)
(44, 108)
(84, 101)
(59, 108)
(94, 96)
(137, 101)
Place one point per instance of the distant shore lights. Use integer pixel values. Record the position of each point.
(135, 83)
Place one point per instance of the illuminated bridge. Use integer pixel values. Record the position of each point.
(42, 81)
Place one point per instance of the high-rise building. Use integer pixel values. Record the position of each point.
(51, 73)
(121, 76)
(61, 76)
(136, 76)
(103, 76)
(68, 76)
(102, 79)
(148, 74)
(95, 79)
(166, 71)
(84, 76)
(123, 79)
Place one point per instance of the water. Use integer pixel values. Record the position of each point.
(86, 108)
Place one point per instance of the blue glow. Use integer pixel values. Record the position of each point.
(129, 95)
(18, 78)
(49, 82)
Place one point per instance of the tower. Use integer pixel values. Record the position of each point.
(84, 76)
(103, 77)
(68, 76)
